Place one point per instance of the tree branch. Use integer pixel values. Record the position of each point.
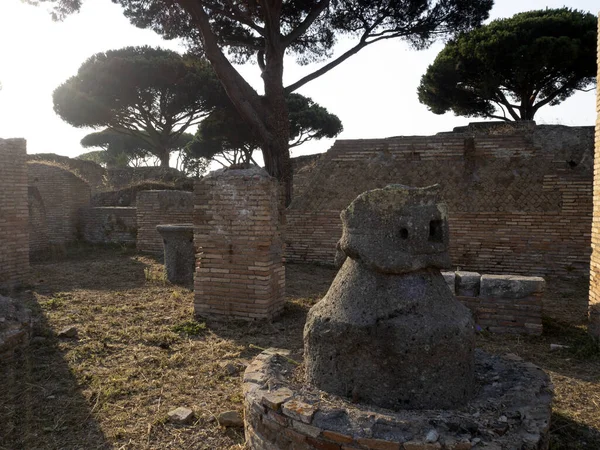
(242, 95)
(327, 67)
(306, 23)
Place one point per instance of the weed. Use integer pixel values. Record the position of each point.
(190, 328)
(155, 276)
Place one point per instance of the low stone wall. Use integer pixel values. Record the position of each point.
(109, 225)
(282, 413)
(501, 303)
(160, 207)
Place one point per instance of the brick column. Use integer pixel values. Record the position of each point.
(14, 213)
(594, 326)
(237, 235)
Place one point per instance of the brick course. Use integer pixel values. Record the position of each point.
(594, 297)
(237, 236)
(160, 207)
(14, 238)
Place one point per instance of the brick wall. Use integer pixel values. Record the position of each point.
(519, 196)
(237, 235)
(38, 226)
(595, 259)
(160, 207)
(56, 195)
(109, 225)
(14, 239)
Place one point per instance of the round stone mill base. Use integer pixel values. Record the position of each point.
(510, 410)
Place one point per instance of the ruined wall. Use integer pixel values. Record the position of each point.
(237, 236)
(56, 195)
(160, 207)
(109, 225)
(507, 304)
(94, 174)
(519, 196)
(14, 239)
(594, 294)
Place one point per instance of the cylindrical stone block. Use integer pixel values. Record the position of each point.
(178, 240)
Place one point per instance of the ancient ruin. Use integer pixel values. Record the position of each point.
(237, 234)
(519, 197)
(389, 356)
(179, 255)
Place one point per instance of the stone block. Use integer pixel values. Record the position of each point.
(450, 278)
(468, 284)
(511, 286)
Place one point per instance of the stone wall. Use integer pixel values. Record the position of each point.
(109, 225)
(237, 235)
(500, 303)
(160, 207)
(519, 196)
(595, 259)
(56, 195)
(14, 239)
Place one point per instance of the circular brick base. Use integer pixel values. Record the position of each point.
(511, 410)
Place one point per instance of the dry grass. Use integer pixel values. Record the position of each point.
(140, 354)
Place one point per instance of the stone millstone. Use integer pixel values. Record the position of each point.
(389, 332)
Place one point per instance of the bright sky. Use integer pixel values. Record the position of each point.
(373, 93)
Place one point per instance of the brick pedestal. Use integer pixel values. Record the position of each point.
(237, 236)
(595, 260)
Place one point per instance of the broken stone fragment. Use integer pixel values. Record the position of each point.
(68, 332)
(275, 398)
(231, 419)
(298, 410)
(181, 415)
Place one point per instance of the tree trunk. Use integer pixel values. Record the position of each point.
(276, 149)
(165, 156)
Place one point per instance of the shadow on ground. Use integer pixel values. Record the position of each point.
(567, 434)
(93, 268)
(41, 405)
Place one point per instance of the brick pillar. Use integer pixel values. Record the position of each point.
(14, 213)
(237, 235)
(594, 326)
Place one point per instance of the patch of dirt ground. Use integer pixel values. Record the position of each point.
(140, 353)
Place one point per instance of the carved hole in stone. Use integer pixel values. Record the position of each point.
(403, 233)
(436, 232)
